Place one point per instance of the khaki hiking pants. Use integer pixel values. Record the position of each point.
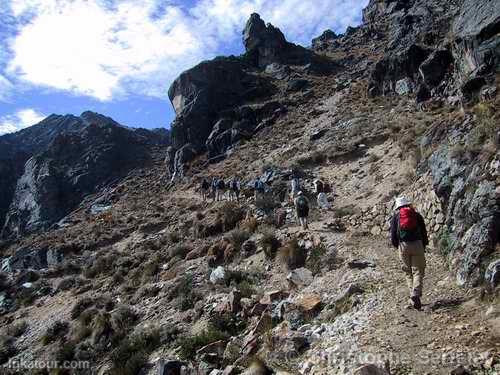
(412, 255)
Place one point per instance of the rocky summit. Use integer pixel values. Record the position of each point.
(117, 261)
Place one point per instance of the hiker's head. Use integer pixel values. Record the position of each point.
(402, 202)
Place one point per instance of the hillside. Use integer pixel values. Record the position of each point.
(144, 277)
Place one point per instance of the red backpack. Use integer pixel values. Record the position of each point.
(407, 219)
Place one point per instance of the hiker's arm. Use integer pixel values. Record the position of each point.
(421, 223)
(394, 232)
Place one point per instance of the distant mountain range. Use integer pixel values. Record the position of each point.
(46, 169)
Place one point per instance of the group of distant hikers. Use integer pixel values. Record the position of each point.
(408, 231)
(220, 188)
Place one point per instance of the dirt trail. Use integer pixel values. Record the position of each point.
(450, 330)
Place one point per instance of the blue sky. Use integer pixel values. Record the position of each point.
(118, 57)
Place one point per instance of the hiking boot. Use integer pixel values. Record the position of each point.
(417, 304)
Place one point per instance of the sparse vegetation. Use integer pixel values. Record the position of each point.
(246, 288)
(7, 348)
(189, 345)
(270, 244)
(345, 211)
(102, 265)
(17, 329)
(80, 306)
(291, 255)
(445, 242)
(230, 214)
(56, 331)
(250, 224)
(266, 202)
(237, 237)
(315, 259)
(311, 159)
(132, 353)
(185, 293)
(174, 237)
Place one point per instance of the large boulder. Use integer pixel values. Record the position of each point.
(216, 90)
(204, 94)
(470, 204)
(28, 258)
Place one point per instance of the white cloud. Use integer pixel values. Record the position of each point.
(103, 50)
(20, 120)
(6, 88)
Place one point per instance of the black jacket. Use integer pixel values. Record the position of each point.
(420, 234)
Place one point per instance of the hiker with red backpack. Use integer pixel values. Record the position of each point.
(408, 233)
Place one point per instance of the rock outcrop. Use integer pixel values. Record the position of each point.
(266, 44)
(324, 41)
(210, 99)
(200, 96)
(462, 46)
(476, 47)
(56, 163)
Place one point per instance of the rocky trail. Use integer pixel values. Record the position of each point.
(378, 325)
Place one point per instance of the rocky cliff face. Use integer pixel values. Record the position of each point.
(211, 100)
(51, 166)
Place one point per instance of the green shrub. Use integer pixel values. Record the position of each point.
(174, 237)
(7, 348)
(227, 323)
(246, 288)
(189, 345)
(316, 260)
(17, 329)
(270, 244)
(132, 353)
(56, 331)
(292, 255)
(237, 237)
(445, 242)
